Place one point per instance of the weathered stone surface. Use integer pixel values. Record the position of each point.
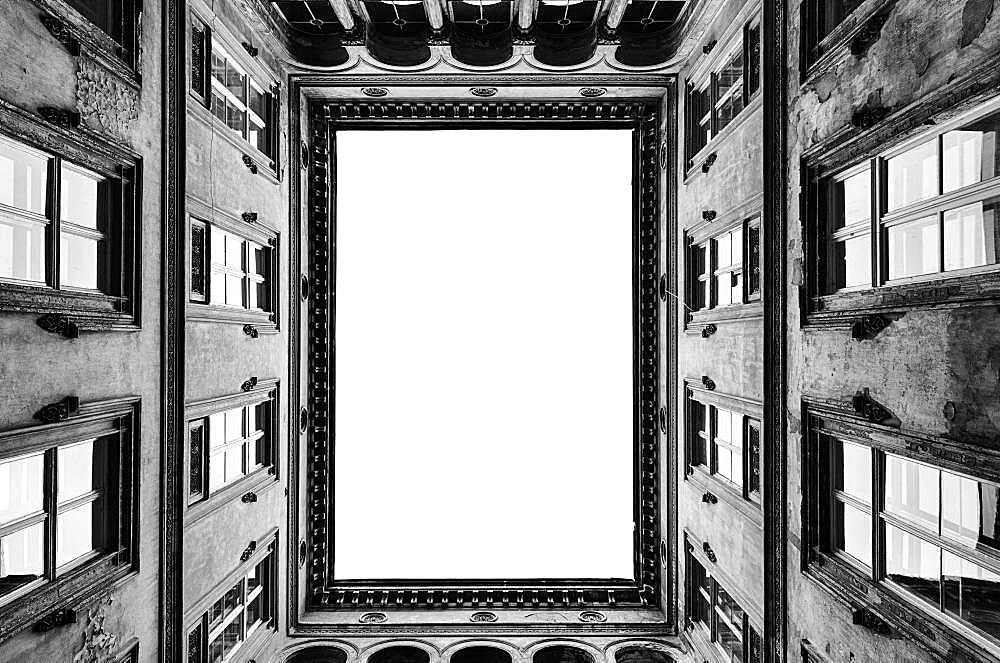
(106, 104)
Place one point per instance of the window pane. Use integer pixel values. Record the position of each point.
(730, 641)
(78, 261)
(74, 533)
(217, 430)
(230, 601)
(913, 563)
(219, 68)
(971, 235)
(970, 153)
(257, 135)
(21, 485)
(234, 463)
(852, 469)
(227, 641)
(219, 106)
(698, 430)
(728, 607)
(257, 102)
(78, 200)
(22, 248)
(853, 262)
(701, 584)
(22, 557)
(23, 177)
(723, 425)
(235, 81)
(723, 251)
(972, 593)
(234, 252)
(911, 491)
(913, 248)
(852, 200)
(730, 78)
(196, 460)
(234, 424)
(913, 175)
(194, 651)
(217, 470)
(724, 463)
(75, 464)
(969, 510)
(853, 532)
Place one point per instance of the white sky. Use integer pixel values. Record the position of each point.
(484, 354)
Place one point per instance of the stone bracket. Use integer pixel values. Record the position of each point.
(55, 323)
(249, 384)
(872, 410)
(251, 331)
(60, 411)
(56, 618)
(869, 620)
(867, 327)
(62, 33)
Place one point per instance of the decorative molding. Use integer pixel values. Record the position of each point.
(55, 619)
(709, 47)
(708, 330)
(248, 551)
(303, 287)
(251, 331)
(709, 161)
(105, 103)
(61, 117)
(59, 411)
(56, 323)
(303, 420)
(873, 411)
(867, 619)
(62, 33)
(250, 164)
(709, 498)
(871, 31)
(867, 327)
(869, 115)
(708, 382)
(249, 217)
(592, 617)
(373, 618)
(249, 384)
(249, 498)
(709, 552)
(593, 91)
(251, 50)
(483, 91)
(709, 214)
(483, 617)
(374, 91)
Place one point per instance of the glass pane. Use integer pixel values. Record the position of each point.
(235, 81)
(724, 289)
(194, 652)
(234, 290)
(729, 608)
(234, 424)
(78, 261)
(972, 593)
(74, 533)
(235, 118)
(227, 641)
(730, 642)
(258, 421)
(22, 558)
(219, 106)
(724, 463)
(852, 469)
(21, 485)
(255, 612)
(217, 470)
(75, 466)
(913, 248)
(969, 510)
(78, 200)
(217, 430)
(234, 252)
(23, 177)
(22, 249)
(723, 251)
(970, 153)
(257, 135)
(852, 199)
(971, 235)
(723, 425)
(257, 104)
(912, 491)
(853, 262)
(230, 601)
(234, 463)
(700, 582)
(913, 563)
(913, 175)
(853, 532)
(219, 68)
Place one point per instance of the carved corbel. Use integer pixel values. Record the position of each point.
(709, 214)
(251, 331)
(249, 384)
(62, 34)
(709, 47)
(60, 411)
(709, 553)
(873, 411)
(708, 382)
(61, 617)
(871, 32)
(59, 324)
(868, 327)
(67, 119)
(593, 91)
(249, 217)
(709, 330)
(483, 91)
(709, 161)
(249, 498)
(869, 116)
(248, 551)
(374, 91)
(250, 49)
(250, 164)
(869, 620)
(709, 498)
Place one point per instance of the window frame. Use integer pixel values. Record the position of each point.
(855, 583)
(707, 635)
(702, 475)
(201, 219)
(828, 306)
(197, 617)
(122, 56)
(821, 52)
(263, 475)
(206, 40)
(695, 149)
(117, 307)
(99, 571)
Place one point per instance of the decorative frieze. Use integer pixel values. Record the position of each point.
(105, 103)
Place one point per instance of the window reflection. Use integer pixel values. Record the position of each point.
(971, 235)
(914, 247)
(911, 491)
(855, 532)
(913, 563)
(970, 153)
(913, 175)
(852, 469)
(969, 511)
(23, 181)
(971, 593)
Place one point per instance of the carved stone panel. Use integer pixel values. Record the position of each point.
(105, 103)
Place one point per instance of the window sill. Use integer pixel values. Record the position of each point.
(92, 41)
(265, 323)
(844, 309)
(929, 628)
(702, 156)
(835, 47)
(258, 482)
(266, 166)
(89, 311)
(704, 482)
(92, 579)
(699, 320)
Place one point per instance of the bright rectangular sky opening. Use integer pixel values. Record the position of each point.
(484, 355)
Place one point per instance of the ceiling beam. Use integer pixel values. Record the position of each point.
(616, 9)
(525, 14)
(434, 15)
(343, 13)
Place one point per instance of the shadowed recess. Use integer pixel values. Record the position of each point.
(319, 655)
(639, 654)
(400, 655)
(481, 655)
(562, 654)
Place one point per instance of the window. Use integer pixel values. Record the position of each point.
(67, 233)
(938, 531)
(232, 270)
(118, 19)
(822, 16)
(65, 509)
(713, 103)
(714, 613)
(724, 443)
(936, 214)
(246, 107)
(245, 607)
(718, 265)
(229, 443)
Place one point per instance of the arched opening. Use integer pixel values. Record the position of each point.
(400, 654)
(319, 655)
(640, 654)
(562, 654)
(481, 654)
